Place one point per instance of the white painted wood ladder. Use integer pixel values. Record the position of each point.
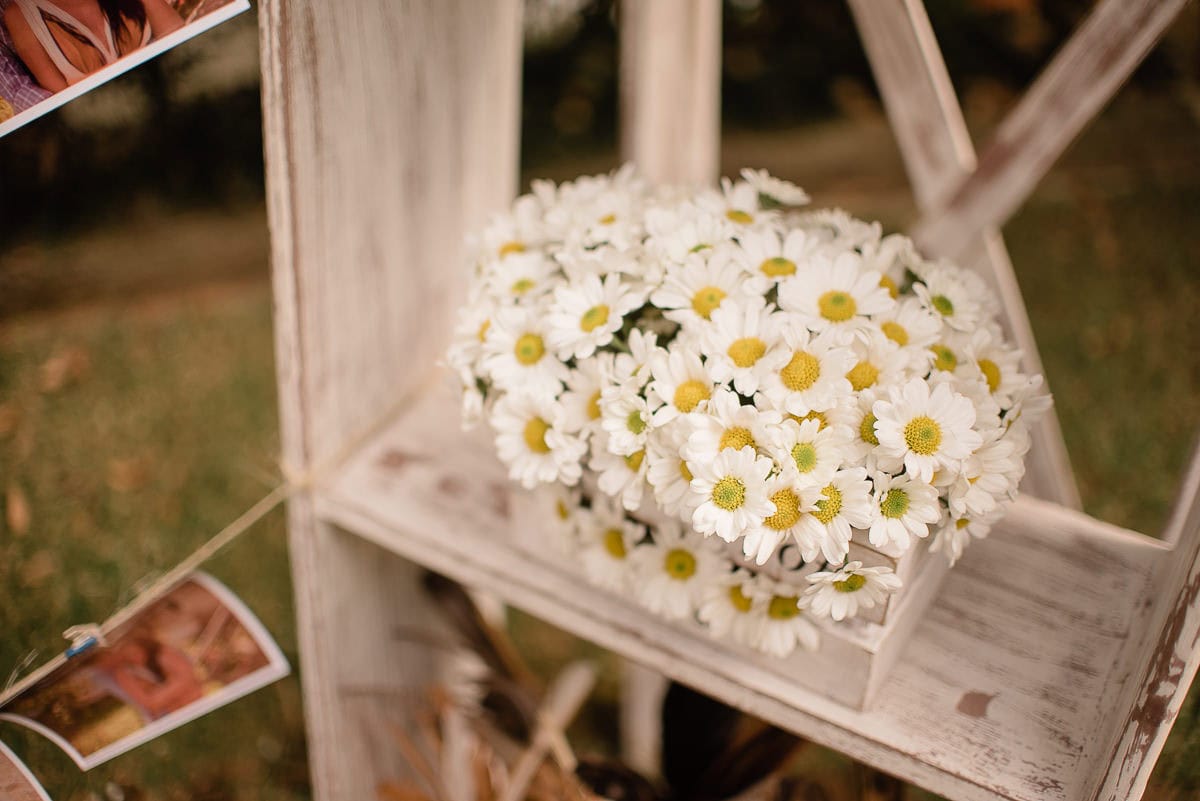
(1059, 651)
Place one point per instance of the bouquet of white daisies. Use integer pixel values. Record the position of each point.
(690, 369)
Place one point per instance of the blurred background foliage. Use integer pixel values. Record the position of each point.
(136, 383)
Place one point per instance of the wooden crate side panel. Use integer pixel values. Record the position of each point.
(938, 154)
(391, 130)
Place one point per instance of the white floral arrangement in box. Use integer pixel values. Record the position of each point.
(689, 369)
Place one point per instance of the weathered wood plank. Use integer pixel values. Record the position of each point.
(937, 151)
(390, 128)
(671, 88)
(1003, 692)
(1080, 80)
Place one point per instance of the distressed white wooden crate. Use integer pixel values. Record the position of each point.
(1054, 659)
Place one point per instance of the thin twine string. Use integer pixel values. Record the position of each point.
(85, 636)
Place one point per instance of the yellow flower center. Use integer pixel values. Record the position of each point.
(787, 510)
(801, 372)
(562, 510)
(680, 564)
(608, 219)
(746, 351)
(837, 306)
(729, 493)
(684, 472)
(778, 267)
(634, 460)
(829, 506)
(511, 247)
(614, 543)
(738, 599)
(593, 406)
(866, 429)
(535, 435)
(783, 607)
(522, 285)
(894, 504)
(529, 349)
(895, 332)
(862, 375)
(944, 358)
(483, 329)
(943, 304)
(635, 423)
(689, 394)
(739, 216)
(593, 318)
(804, 454)
(991, 371)
(737, 437)
(961, 523)
(822, 420)
(706, 299)
(923, 435)
(852, 583)
(890, 286)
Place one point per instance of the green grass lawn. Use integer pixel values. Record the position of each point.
(138, 417)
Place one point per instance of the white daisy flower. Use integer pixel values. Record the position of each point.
(625, 418)
(783, 193)
(929, 430)
(810, 453)
(734, 606)
(809, 374)
(677, 235)
(581, 401)
(989, 476)
(562, 507)
(668, 472)
(672, 573)
(785, 624)
(878, 361)
(956, 294)
(620, 477)
(910, 325)
(737, 202)
(790, 505)
(839, 594)
(728, 425)
(513, 234)
(902, 507)
(839, 507)
(740, 334)
(606, 539)
(680, 383)
(837, 229)
(835, 294)
(956, 533)
(692, 292)
(522, 277)
(517, 357)
(998, 365)
(890, 257)
(531, 438)
(767, 259)
(634, 367)
(586, 314)
(734, 488)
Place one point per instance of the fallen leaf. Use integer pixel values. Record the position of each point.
(39, 567)
(17, 514)
(64, 368)
(128, 475)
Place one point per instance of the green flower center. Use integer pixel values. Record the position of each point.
(680, 564)
(739, 216)
(529, 349)
(837, 306)
(778, 267)
(944, 358)
(706, 299)
(635, 423)
(895, 332)
(804, 454)
(593, 318)
(830, 505)
(852, 583)
(522, 285)
(943, 304)
(866, 429)
(783, 607)
(634, 460)
(894, 504)
(729, 493)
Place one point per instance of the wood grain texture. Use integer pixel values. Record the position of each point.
(1003, 692)
(390, 128)
(938, 154)
(671, 88)
(1083, 76)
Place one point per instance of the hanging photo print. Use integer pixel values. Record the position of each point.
(16, 782)
(52, 51)
(192, 651)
